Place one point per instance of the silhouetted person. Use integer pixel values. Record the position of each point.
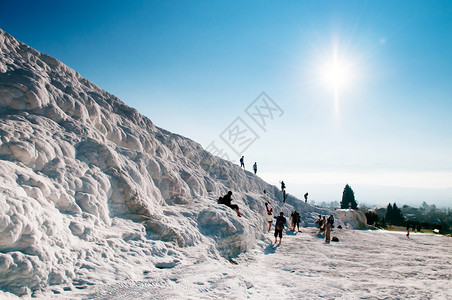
(305, 197)
(255, 167)
(242, 162)
(227, 201)
(283, 190)
(295, 217)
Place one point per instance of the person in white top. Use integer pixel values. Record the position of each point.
(269, 216)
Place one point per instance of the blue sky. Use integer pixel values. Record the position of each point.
(193, 67)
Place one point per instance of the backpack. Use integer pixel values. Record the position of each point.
(279, 223)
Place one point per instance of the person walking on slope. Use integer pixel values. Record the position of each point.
(242, 162)
(283, 190)
(226, 200)
(255, 168)
(279, 226)
(269, 216)
(305, 197)
(295, 217)
(328, 230)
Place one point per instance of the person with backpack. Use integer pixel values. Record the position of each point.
(279, 226)
(295, 216)
(305, 197)
(242, 162)
(226, 200)
(269, 216)
(255, 168)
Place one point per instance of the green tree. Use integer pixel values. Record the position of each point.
(348, 198)
(389, 214)
(399, 219)
(394, 215)
(372, 218)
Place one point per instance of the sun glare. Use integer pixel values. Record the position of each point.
(336, 74)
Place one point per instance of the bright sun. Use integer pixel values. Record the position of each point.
(336, 74)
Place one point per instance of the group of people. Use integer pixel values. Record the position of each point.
(242, 164)
(281, 221)
(283, 185)
(415, 228)
(325, 226)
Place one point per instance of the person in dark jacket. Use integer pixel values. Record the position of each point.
(242, 162)
(227, 201)
(295, 217)
(279, 226)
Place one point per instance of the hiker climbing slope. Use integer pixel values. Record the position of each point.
(226, 200)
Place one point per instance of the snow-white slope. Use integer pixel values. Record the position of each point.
(92, 192)
(362, 265)
(352, 218)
